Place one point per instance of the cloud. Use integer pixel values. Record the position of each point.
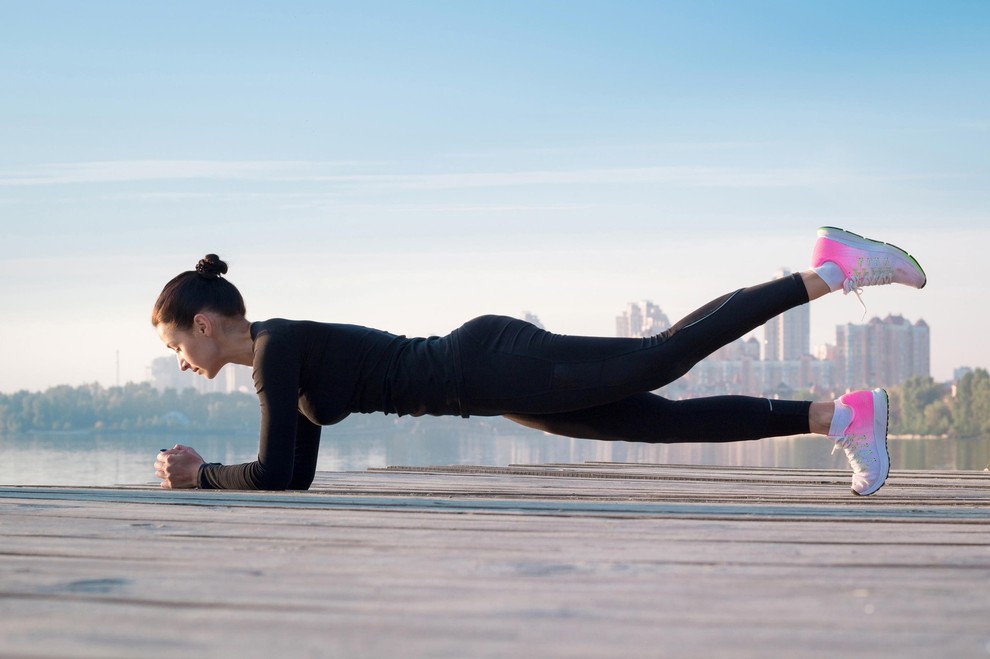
(610, 150)
(673, 175)
(121, 171)
(127, 171)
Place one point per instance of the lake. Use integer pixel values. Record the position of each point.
(90, 459)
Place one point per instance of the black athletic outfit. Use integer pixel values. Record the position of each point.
(313, 374)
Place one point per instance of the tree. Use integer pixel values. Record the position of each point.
(912, 401)
(938, 418)
(971, 405)
(135, 406)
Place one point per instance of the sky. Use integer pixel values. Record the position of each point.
(411, 165)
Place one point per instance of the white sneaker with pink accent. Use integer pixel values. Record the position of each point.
(865, 439)
(864, 262)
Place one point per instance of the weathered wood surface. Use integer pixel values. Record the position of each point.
(591, 560)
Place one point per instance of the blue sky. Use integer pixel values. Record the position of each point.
(411, 165)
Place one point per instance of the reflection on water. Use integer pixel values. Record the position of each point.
(103, 460)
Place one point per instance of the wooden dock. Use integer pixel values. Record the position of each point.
(588, 560)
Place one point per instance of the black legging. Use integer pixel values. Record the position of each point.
(598, 388)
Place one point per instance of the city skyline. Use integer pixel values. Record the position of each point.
(878, 353)
(409, 166)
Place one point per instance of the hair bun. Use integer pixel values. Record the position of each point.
(211, 267)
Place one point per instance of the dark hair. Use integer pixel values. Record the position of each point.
(195, 291)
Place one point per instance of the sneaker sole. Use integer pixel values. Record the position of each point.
(855, 240)
(881, 421)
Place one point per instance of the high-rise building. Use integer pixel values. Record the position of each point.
(882, 353)
(641, 319)
(787, 337)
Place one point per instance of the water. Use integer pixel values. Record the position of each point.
(103, 460)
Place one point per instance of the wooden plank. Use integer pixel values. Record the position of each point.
(414, 563)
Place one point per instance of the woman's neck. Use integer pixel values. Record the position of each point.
(238, 344)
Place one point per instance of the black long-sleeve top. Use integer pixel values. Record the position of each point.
(310, 374)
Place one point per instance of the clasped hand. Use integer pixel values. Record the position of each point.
(178, 467)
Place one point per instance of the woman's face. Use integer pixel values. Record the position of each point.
(195, 348)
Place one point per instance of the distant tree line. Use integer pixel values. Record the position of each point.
(132, 407)
(923, 407)
(918, 407)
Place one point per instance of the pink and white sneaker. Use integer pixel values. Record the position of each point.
(864, 262)
(865, 440)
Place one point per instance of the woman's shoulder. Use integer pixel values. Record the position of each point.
(263, 331)
(279, 342)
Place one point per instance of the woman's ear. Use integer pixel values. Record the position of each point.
(203, 324)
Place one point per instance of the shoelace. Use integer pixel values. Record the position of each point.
(857, 447)
(856, 281)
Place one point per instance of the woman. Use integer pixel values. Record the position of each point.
(311, 374)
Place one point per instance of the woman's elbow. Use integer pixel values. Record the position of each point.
(281, 478)
(300, 482)
(267, 480)
(280, 482)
